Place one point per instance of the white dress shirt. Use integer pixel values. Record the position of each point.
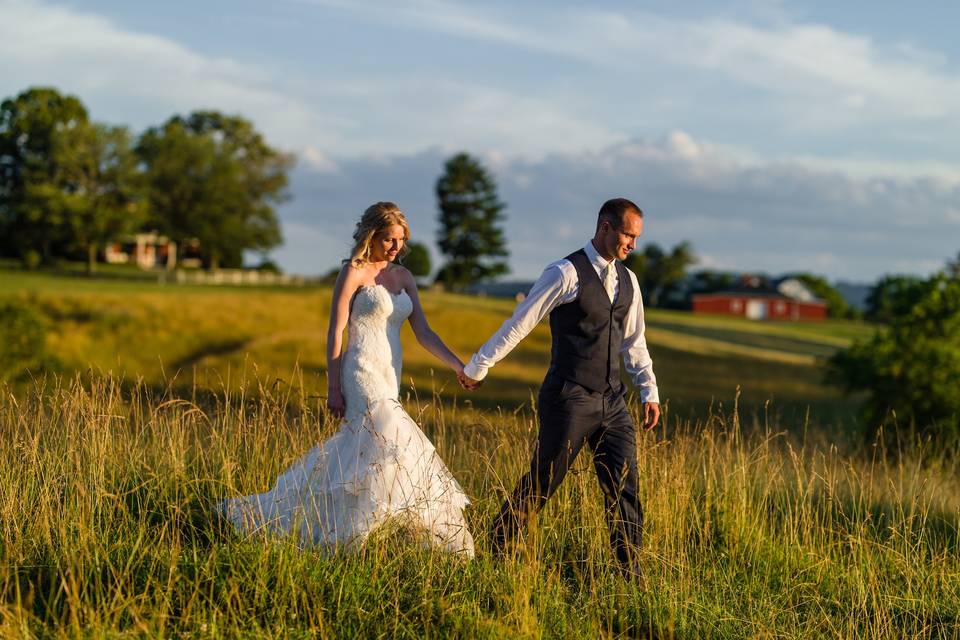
(558, 285)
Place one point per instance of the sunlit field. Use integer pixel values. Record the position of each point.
(768, 515)
(194, 338)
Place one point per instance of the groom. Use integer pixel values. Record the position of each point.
(596, 317)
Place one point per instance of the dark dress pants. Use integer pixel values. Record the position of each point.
(571, 416)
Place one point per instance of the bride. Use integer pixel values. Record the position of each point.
(379, 464)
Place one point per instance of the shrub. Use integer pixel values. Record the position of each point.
(911, 368)
(22, 339)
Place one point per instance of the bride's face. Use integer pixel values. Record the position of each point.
(387, 244)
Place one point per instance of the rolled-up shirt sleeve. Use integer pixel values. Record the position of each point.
(636, 357)
(552, 288)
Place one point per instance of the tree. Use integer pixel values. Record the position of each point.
(893, 296)
(104, 186)
(658, 272)
(709, 281)
(213, 177)
(910, 368)
(470, 214)
(417, 259)
(33, 187)
(837, 306)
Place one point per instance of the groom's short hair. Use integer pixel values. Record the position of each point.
(614, 210)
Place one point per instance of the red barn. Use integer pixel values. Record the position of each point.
(759, 306)
(788, 299)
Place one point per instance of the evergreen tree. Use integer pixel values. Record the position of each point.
(470, 215)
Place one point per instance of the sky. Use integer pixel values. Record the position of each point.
(774, 136)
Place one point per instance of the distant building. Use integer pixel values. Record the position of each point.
(146, 250)
(761, 299)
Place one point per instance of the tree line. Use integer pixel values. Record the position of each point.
(909, 369)
(70, 185)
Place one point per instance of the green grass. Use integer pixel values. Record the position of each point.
(766, 516)
(107, 495)
(202, 336)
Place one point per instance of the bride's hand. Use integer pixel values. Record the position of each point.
(335, 403)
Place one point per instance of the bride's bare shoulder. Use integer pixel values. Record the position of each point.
(350, 275)
(349, 281)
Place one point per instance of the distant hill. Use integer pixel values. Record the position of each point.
(507, 289)
(854, 293)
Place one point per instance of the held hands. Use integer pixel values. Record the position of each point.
(651, 415)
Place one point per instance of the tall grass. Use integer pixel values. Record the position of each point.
(107, 489)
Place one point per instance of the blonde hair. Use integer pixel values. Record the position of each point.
(377, 218)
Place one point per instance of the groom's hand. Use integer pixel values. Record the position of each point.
(651, 415)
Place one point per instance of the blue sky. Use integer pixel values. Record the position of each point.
(774, 136)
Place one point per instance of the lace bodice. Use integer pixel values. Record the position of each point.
(372, 361)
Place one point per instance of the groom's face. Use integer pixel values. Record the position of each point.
(618, 243)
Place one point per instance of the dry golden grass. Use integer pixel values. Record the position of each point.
(765, 517)
(106, 508)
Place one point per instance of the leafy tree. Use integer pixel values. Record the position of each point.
(417, 259)
(837, 306)
(709, 281)
(33, 178)
(104, 186)
(910, 368)
(268, 264)
(659, 272)
(893, 296)
(214, 178)
(470, 215)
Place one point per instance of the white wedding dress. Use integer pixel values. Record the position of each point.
(377, 466)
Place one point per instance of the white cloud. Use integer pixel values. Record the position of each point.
(824, 78)
(835, 77)
(138, 78)
(142, 79)
(739, 213)
(319, 161)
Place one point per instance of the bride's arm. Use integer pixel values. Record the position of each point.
(421, 329)
(343, 290)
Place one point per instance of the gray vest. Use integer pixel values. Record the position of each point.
(587, 332)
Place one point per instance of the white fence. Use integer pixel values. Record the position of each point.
(236, 277)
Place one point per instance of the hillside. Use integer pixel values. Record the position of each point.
(214, 336)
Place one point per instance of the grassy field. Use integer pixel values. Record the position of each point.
(765, 518)
(204, 337)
